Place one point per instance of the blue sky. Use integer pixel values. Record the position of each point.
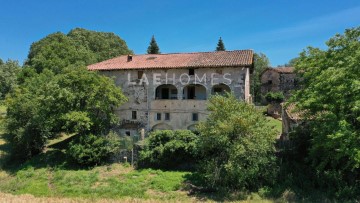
(279, 28)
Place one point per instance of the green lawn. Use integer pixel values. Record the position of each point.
(274, 123)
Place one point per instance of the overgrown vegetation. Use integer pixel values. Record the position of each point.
(167, 149)
(261, 62)
(236, 146)
(91, 150)
(274, 97)
(76, 101)
(8, 77)
(328, 144)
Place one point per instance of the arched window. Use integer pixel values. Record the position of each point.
(194, 91)
(220, 89)
(166, 92)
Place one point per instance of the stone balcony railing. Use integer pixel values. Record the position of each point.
(185, 105)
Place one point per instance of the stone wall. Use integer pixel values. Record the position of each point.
(142, 95)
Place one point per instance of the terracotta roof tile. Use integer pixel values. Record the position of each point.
(284, 69)
(178, 60)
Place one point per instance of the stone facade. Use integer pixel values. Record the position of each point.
(282, 79)
(171, 98)
(170, 91)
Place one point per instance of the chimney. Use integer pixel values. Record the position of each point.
(129, 58)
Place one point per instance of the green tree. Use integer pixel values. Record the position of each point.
(104, 45)
(261, 62)
(236, 146)
(57, 51)
(78, 48)
(330, 102)
(153, 47)
(76, 101)
(220, 45)
(8, 77)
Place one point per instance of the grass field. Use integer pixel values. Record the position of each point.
(274, 123)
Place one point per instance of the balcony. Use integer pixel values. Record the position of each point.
(178, 105)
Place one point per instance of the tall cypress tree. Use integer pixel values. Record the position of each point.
(220, 45)
(153, 47)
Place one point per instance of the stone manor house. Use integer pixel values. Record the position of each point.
(170, 91)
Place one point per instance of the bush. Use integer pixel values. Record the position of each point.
(169, 149)
(93, 150)
(236, 146)
(274, 97)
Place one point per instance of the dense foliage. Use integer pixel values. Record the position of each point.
(261, 62)
(8, 76)
(153, 47)
(78, 48)
(169, 149)
(330, 102)
(236, 146)
(76, 101)
(220, 45)
(274, 97)
(92, 150)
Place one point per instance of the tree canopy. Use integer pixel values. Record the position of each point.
(45, 105)
(330, 102)
(79, 47)
(8, 76)
(261, 62)
(220, 45)
(236, 145)
(153, 47)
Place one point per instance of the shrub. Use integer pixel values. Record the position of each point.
(236, 146)
(274, 97)
(93, 150)
(169, 149)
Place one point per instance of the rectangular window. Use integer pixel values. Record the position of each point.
(269, 82)
(127, 133)
(140, 74)
(134, 115)
(167, 116)
(158, 116)
(191, 71)
(195, 116)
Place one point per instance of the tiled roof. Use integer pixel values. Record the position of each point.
(178, 60)
(284, 69)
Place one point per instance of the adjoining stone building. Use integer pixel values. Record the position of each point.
(281, 79)
(170, 91)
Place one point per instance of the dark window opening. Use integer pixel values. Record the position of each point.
(191, 92)
(269, 82)
(191, 71)
(127, 133)
(219, 72)
(140, 74)
(167, 116)
(165, 93)
(195, 117)
(134, 115)
(218, 90)
(158, 116)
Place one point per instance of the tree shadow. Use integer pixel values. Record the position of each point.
(54, 156)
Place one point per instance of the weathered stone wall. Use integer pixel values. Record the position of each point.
(142, 95)
(273, 81)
